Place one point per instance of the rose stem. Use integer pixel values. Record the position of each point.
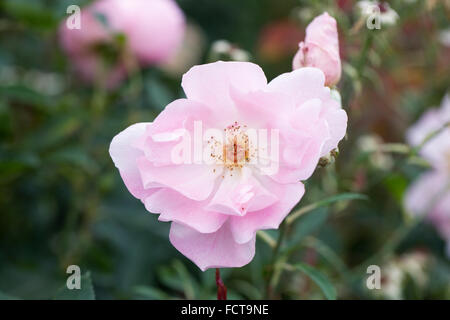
(221, 288)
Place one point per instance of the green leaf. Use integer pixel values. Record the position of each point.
(340, 197)
(397, 185)
(86, 292)
(319, 278)
(32, 13)
(151, 293)
(308, 224)
(247, 289)
(158, 93)
(72, 155)
(23, 94)
(4, 296)
(186, 279)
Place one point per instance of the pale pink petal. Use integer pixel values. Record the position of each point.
(262, 109)
(336, 119)
(299, 58)
(431, 121)
(244, 228)
(423, 194)
(427, 124)
(437, 150)
(432, 134)
(301, 145)
(322, 31)
(211, 250)
(173, 127)
(306, 84)
(440, 215)
(301, 84)
(194, 181)
(240, 192)
(210, 83)
(319, 58)
(174, 207)
(429, 196)
(125, 156)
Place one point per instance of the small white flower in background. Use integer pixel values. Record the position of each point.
(47, 83)
(394, 274)
(378, 10)
(239, 55)
(223, 49)
(303, 14)
(369, 143)
(392, 282)
(372, 144)
(444, 37)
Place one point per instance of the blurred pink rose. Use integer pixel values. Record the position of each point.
(321, 48)
(216, 205)
(153, 29)
(430, 194)
(437, 149)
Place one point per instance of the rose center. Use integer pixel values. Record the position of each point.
(235, 150)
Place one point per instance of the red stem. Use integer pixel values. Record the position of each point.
(221, 288)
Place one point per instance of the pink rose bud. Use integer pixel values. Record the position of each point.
(321, 49)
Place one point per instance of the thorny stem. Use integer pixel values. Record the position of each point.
(221, 288)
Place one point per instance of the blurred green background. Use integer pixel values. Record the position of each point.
(62, 201)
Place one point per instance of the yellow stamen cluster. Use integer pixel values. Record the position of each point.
(235, 151)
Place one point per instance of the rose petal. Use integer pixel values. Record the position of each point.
(211, 250)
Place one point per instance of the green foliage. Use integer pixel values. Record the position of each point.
(86, 291)
(319, 279)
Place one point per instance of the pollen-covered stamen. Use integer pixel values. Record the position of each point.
(235, 149)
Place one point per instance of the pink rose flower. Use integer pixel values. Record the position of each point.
(217, 204)
(153, 28)
(321, 49)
